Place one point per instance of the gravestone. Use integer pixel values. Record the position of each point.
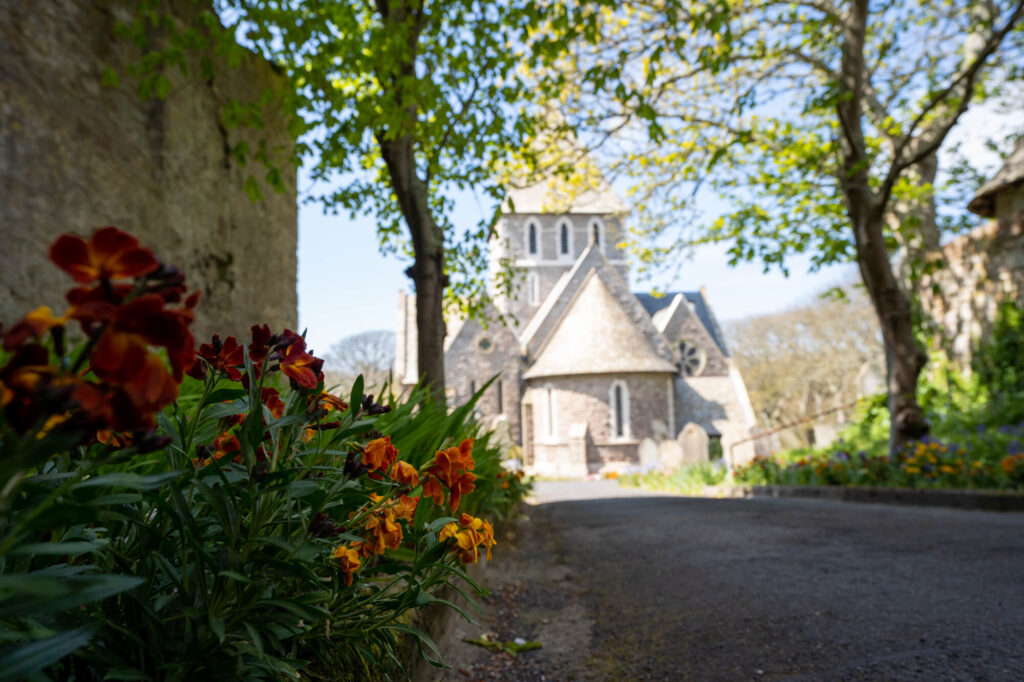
(694, 441)
(670, 455)
(648, 451)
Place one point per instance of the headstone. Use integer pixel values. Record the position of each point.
(648, 452)
(659, 430)
(670, 455)
(694, 441)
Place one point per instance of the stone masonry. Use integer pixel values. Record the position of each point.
(75, 155)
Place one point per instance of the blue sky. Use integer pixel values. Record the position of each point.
(346, 286)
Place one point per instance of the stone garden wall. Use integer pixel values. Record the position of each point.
(76, 155)
(981, 269)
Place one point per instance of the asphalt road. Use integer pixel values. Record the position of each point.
(618, 586)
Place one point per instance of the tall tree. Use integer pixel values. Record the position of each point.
(817, 120)
(406, 102)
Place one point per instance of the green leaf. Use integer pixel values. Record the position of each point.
(110, 79)
(58, 548)
(223, 395)
(126, 480)
(40, 592)
(356, 398)
(235, 576)
(217, 625)
(22, 660)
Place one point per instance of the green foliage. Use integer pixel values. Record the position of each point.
(976, 439)
(247, 529)
(999, 363)
(686, 480)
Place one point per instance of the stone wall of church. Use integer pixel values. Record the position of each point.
(468, 368)
(550, 265)
(586, 400)
(75, 155)
(716, 404)
(689, 328)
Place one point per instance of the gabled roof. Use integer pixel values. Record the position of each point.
(596, 335)
(1012, 173)
(678, 320)
(657, 307)
(591, 323)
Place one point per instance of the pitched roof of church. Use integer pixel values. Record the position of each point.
(659, 304)
(597, 335)
(1012, 173)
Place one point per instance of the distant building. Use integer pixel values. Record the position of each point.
(985, 267)
(592, 371)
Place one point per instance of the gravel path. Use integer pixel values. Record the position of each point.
(619, 585)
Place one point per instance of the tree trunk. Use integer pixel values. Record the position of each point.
(904, 359)
(427, 271)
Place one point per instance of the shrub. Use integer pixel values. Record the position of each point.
(236, 522)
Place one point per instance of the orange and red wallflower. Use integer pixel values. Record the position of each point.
(452, 467)
(380, 454)
(109, 254)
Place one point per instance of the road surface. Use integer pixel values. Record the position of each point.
(625, 585)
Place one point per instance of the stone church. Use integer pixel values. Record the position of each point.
(589, 376)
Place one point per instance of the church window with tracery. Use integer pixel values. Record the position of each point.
(691, 358)
(618, 402)
(531, 239)
(563, 239)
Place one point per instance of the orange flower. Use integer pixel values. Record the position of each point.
(405, 473)
(463, 485)
(1008, 463)
(387, 534)
(114, 439)
(35, 324)
(349, 558)
(473, 533)
(406, 507)
(299, 365)
(108, 254)
(432, 489)
(380, 454)
(332, 402)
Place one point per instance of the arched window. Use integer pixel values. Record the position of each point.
(597, 232)
(618, 403)
(531, 238)
(532, 288)
(550, 423)
(565, 239)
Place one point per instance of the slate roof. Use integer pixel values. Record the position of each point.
(653, 304)
(596, 335)
(1012, 173)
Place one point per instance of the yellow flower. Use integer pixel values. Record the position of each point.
(947, 469)
(450, 530)
(912, 470)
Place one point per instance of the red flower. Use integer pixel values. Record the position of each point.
(259, 348)
(299, 365)
(272, 399)
(224, 357)
(132, 328)
(109, 254)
